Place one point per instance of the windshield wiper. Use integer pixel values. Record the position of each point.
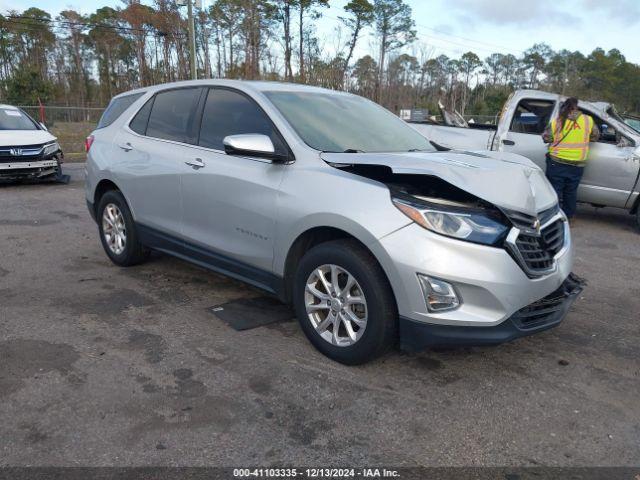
(348, 150)
(439, 147)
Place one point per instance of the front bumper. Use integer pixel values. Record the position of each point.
(489, 282)
(536, 317)
(36, 169)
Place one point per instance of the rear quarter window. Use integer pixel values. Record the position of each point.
(141, 119)
(117, 107)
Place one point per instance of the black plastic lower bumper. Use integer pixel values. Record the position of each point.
(541, 315)
(32, 173)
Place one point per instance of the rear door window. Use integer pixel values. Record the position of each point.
(172, 114)
(231, 113)
(116, 107)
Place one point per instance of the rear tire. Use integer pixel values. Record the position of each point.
(118, 233)
(354, 322)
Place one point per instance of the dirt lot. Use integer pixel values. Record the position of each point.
(101, 365)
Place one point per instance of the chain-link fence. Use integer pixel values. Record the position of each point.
(65, 114)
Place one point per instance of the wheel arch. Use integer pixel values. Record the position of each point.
(310, 238)
(635, 206)
(105, 185)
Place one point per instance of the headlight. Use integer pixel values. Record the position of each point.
(51, 148)
(473, 225)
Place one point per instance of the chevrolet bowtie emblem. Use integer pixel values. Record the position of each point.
(536, 225)
(16, 152)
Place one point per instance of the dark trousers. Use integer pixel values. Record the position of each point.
(565, 180)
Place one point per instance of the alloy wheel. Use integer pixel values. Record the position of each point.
(114, 228)
(336, 305)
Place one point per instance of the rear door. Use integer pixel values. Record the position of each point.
(152, 150)
(525, 132)
(230, 202)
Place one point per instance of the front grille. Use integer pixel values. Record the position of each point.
(550, 309)
(538, 252)
(28, 153)
(524, 221)
(535, 250)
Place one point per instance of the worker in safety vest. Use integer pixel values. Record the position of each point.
(568, 137)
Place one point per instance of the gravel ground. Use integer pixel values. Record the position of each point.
(101, 365)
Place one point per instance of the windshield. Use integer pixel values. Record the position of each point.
(346, 123)
(14, 119)
(633, 122)
(625, 124)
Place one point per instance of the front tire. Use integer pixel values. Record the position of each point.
(118, 232)
(344, 302)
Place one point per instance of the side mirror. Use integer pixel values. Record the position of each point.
(251, 145)
(44, 127)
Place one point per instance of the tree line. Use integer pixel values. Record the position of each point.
(83, 60)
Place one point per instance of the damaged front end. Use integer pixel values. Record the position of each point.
(441, 207)
(32, 163)
(534, 318)
(506, 275)
(447, 210)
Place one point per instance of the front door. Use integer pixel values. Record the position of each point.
(230, 202)
(611, 171)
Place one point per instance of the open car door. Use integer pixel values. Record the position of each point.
(524, 136)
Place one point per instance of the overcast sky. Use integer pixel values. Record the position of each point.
(483, 26)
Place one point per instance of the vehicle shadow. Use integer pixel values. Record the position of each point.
(604, 216)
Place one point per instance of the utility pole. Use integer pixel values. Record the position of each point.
(192, 41)
(192, 34)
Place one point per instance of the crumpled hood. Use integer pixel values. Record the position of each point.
(506, 180)
(10, 138)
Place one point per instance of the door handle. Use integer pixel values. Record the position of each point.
(196, 163)
(127, 147)
(508, 142)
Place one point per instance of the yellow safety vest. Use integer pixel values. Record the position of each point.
(571, 140)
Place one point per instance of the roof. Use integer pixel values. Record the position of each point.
(253, 85)
(598, 107)
(538, 94)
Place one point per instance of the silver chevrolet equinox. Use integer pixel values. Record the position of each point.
(335, 205)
